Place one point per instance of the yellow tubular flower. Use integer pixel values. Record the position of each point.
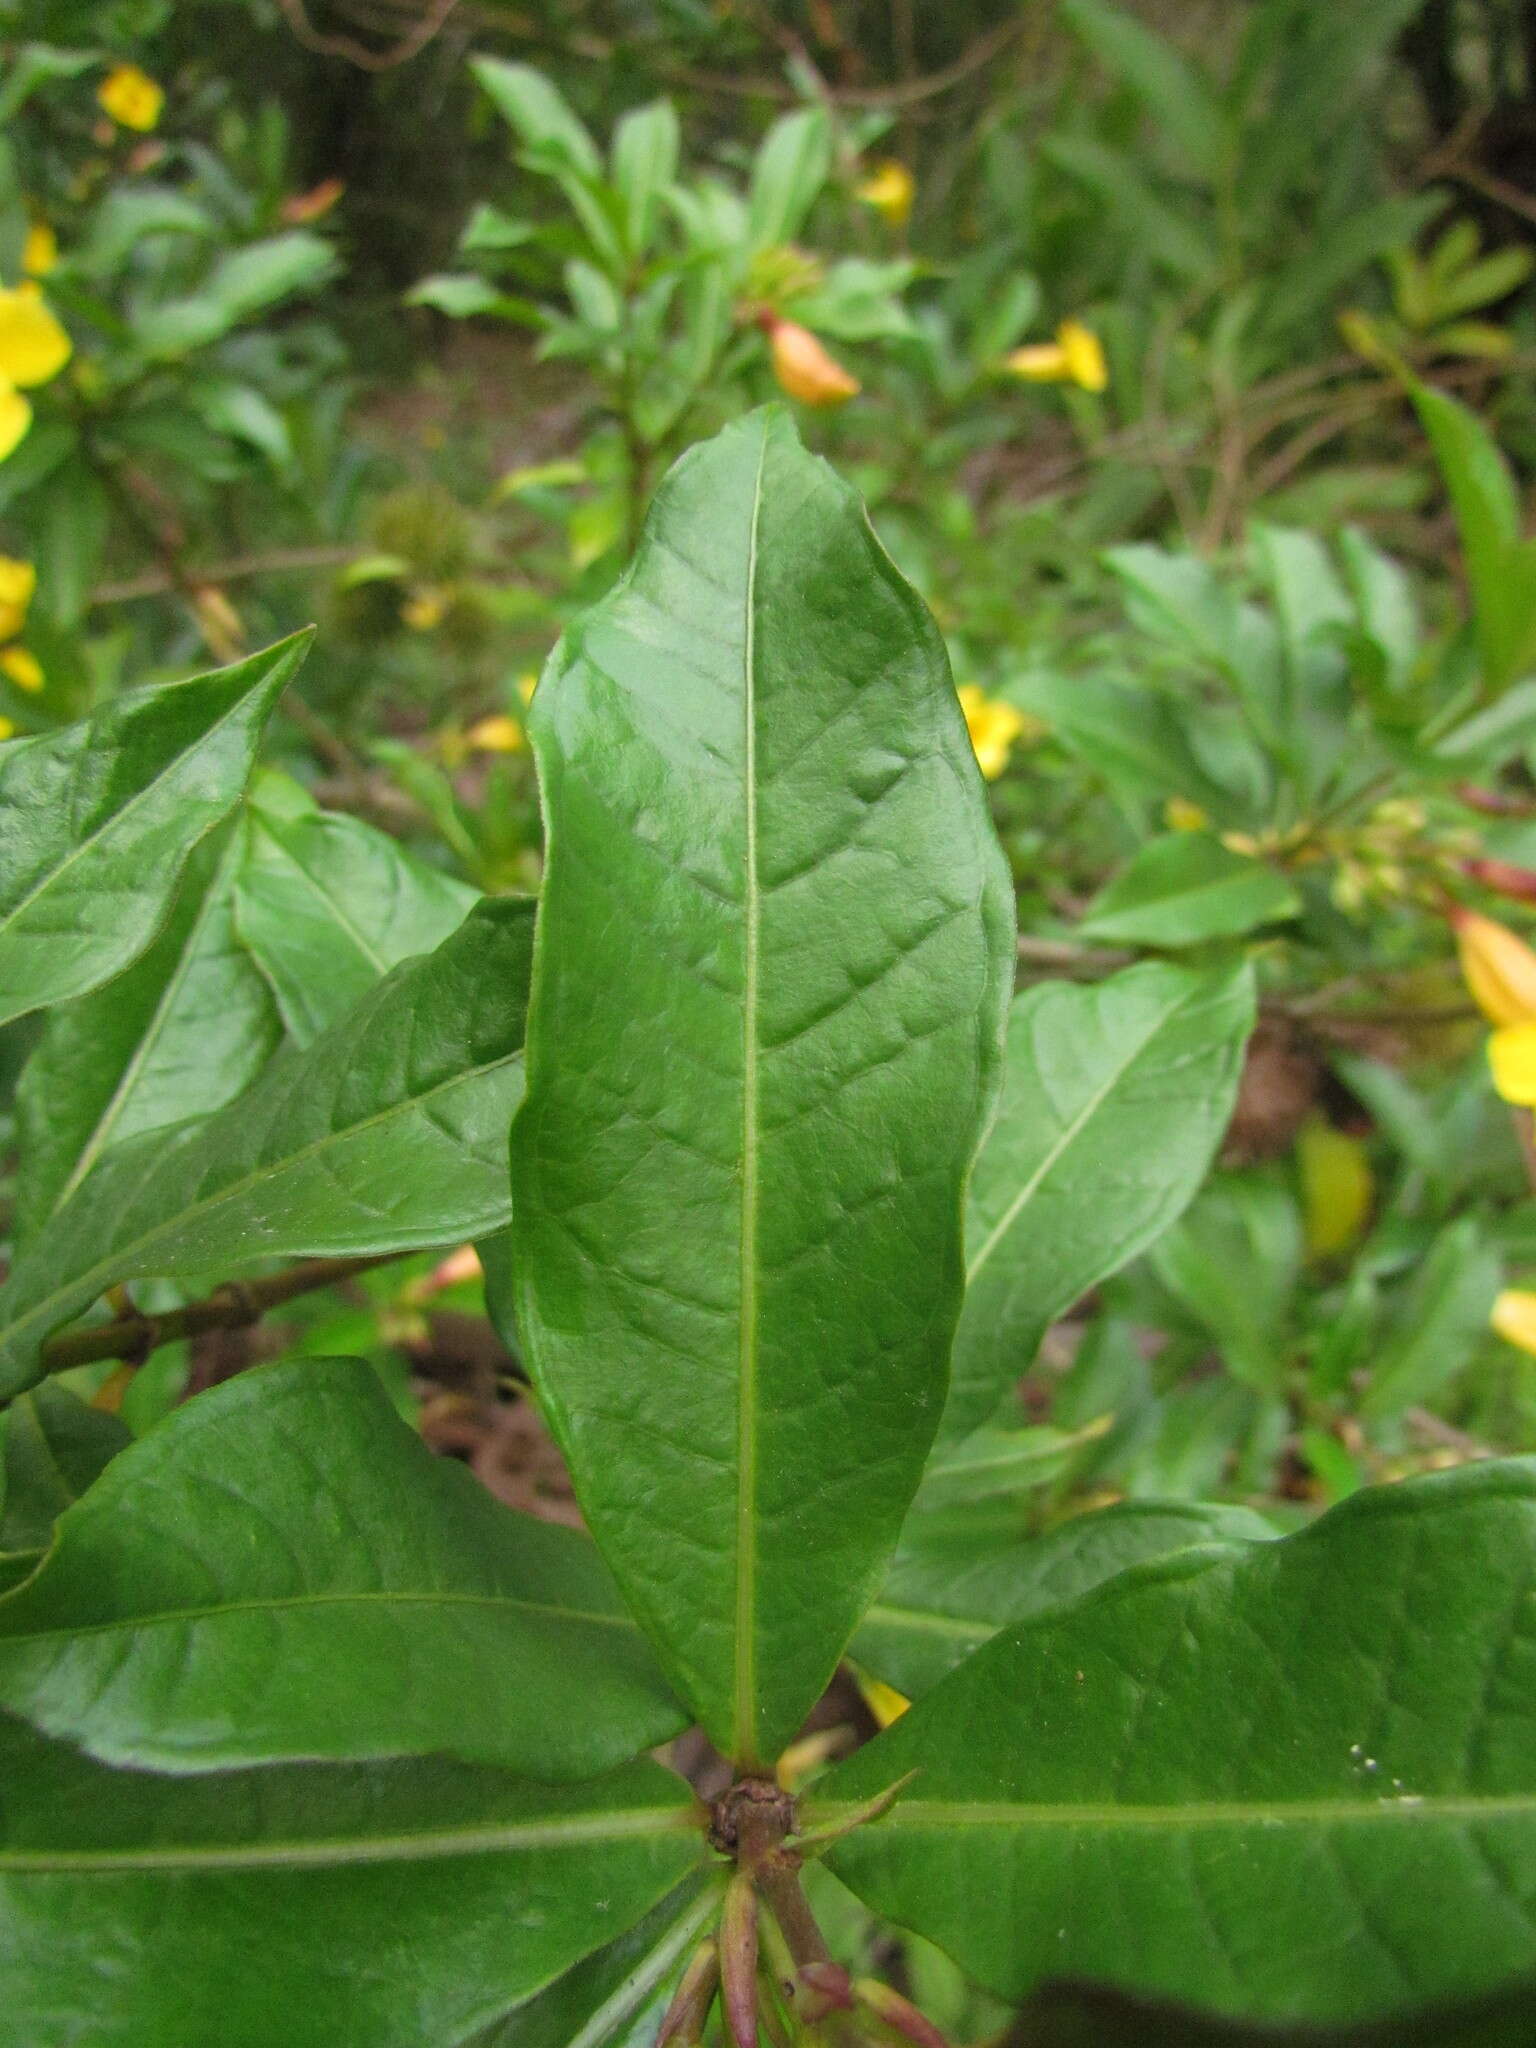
(1499, 968)
(993, 726)
(890, 189)
(131, 98)
(40, 250)
(1512, 1056)
(33, 346)
(23, 668)
(804, 369)
(1076, 356)
(18, 580)
(1514, 1318)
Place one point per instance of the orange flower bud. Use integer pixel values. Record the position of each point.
(804, 368)
(1498, 967)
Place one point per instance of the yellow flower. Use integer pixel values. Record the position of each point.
(890, 189)
(18, 580)
(33, 346)
(1512, 1056)
(1498, 967)
(40, 250)
(1180, 815)
(425, 610)
(883, 1701)
(23, 667)
(1514, 1318)
(131, 98)
(993, 726)
(805, 370)
(7, 728)
(1076, 356)
(498, 734)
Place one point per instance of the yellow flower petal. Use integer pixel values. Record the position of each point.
(1512, 1056)
(1514, 1318)
(33, 346)
(883, 1701)
(804, 368)
(15, 418)
(131, 98)
(1041, 362)
(890, 189)
(23, 667)
(994, 727)
(1499, 968)
(499, 734)
(7, 728)
(1085, 355)
(40, 250)
(18, 580)
(1337, 1188)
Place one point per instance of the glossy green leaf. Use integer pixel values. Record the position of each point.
(386, 1134)
(327, 906)
(1184, 889)
(1115, 1099)
(55, 1448)
(774, 946)
(948, 1592)
(1282, 1780)
(97, 820)
(183, 1031)
(616, 1998)
(282, 1571)
(537, 113)
(387, 1904)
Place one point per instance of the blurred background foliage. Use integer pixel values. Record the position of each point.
(1183, 354)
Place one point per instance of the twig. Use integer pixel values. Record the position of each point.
(279, 562)
(234, 1306)
(410, 45)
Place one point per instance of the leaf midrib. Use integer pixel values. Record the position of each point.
(744, 1714)
(1070, 1135)
(104, 1268)
(566, 1832)
(925, 1816)
(279, 1603)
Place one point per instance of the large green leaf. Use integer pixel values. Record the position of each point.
(386, 1134)
(949, 1591)
(180, 1033)
(97, 820)
(313, 1905)
(1283, 1780)
(1115, 1098)
(774, 947)
(282, 1571)
(1185, 889)
(327, 906)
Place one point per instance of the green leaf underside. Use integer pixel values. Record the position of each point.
(397, 1903)
(1280, 1781)
(281, 1571)
(618, 1995)
(183, 1031)
(948, 1593)
(1115, 1097)
(385, 1135)
(773, 949)
(1186, 889)
(328, 906)
(96, 821)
